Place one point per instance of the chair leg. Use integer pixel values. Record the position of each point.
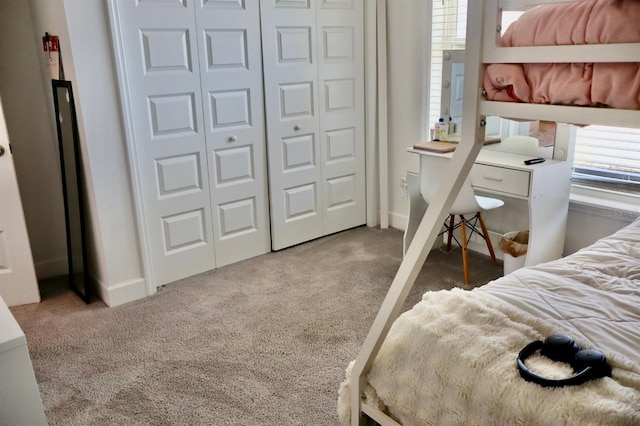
(465, 261)
(450, 236)
(487, 239)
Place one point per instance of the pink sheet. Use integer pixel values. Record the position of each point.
(615, 85)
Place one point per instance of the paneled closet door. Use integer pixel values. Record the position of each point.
(313, 68)
(291, 98)
(231, 75)
(340, 33)
(163, 78)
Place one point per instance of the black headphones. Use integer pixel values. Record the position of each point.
(588, 364)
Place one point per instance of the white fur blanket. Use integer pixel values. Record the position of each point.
(451, 360)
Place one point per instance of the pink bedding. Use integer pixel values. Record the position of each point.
(615, 85)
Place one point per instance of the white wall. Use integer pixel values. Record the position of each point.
(586, 224)
(83, 28)
(33, 139)
(407, 45)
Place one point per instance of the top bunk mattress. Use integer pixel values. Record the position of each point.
(615, 85)
(451, 359)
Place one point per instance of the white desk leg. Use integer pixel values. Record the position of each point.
(548, 209)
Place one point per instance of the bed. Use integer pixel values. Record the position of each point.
(451, 359)
(607, 84)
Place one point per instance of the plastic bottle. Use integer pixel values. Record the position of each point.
(442, 130)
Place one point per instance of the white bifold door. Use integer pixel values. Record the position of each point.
(193, 77)
(313, 55)
(215, 185)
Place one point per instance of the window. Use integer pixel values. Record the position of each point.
(604, 157)
(448, 31)
(608, 157)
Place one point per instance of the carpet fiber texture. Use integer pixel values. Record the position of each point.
(260, 342)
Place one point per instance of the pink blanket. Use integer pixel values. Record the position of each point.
(615, 85)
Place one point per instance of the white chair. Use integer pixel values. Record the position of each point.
(432, 168)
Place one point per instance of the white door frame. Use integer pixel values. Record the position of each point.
(370, 108)
(371, 145)
(127, 120)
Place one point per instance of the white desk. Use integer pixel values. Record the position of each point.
(544, 186)
(20, 402)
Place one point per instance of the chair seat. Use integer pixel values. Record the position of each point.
(485, 203)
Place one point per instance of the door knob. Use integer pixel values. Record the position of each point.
(232, 138)
(297, 127)
(1, 150)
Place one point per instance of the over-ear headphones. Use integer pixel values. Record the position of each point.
(588, 364)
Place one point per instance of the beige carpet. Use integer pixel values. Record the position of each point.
(259, 342)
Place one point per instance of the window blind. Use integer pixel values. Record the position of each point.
(608, 156)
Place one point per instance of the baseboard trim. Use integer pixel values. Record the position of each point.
(122, 293)
(398, 221)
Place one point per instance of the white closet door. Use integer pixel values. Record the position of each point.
(162, 73)
(314, 92)
(340, 33)
(231, 74)
(291, 98)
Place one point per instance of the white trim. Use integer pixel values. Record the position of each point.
(383, 160)
(563, 114)
(570, 54)
(398, 221)
(370, 107)
(620, 205)
(136, 179)
(121, 293)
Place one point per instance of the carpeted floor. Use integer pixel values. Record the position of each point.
(259, 342)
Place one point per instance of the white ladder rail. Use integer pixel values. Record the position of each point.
(461, 163)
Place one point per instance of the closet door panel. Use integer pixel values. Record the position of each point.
(232, 94)
(291, 98)
(162, 73)
(340, 34)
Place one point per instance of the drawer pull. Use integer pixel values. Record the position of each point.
(495, 179)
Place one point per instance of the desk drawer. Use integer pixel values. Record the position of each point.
(499, 179)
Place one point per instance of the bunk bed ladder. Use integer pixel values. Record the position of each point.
(473, 123)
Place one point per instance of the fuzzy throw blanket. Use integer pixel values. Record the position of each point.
(615, 85)
(451, 360)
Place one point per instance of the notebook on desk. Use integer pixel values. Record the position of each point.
(447, 146)
(435, 146)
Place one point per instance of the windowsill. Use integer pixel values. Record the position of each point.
(619, 205)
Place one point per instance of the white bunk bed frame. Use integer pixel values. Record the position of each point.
(483, 29)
